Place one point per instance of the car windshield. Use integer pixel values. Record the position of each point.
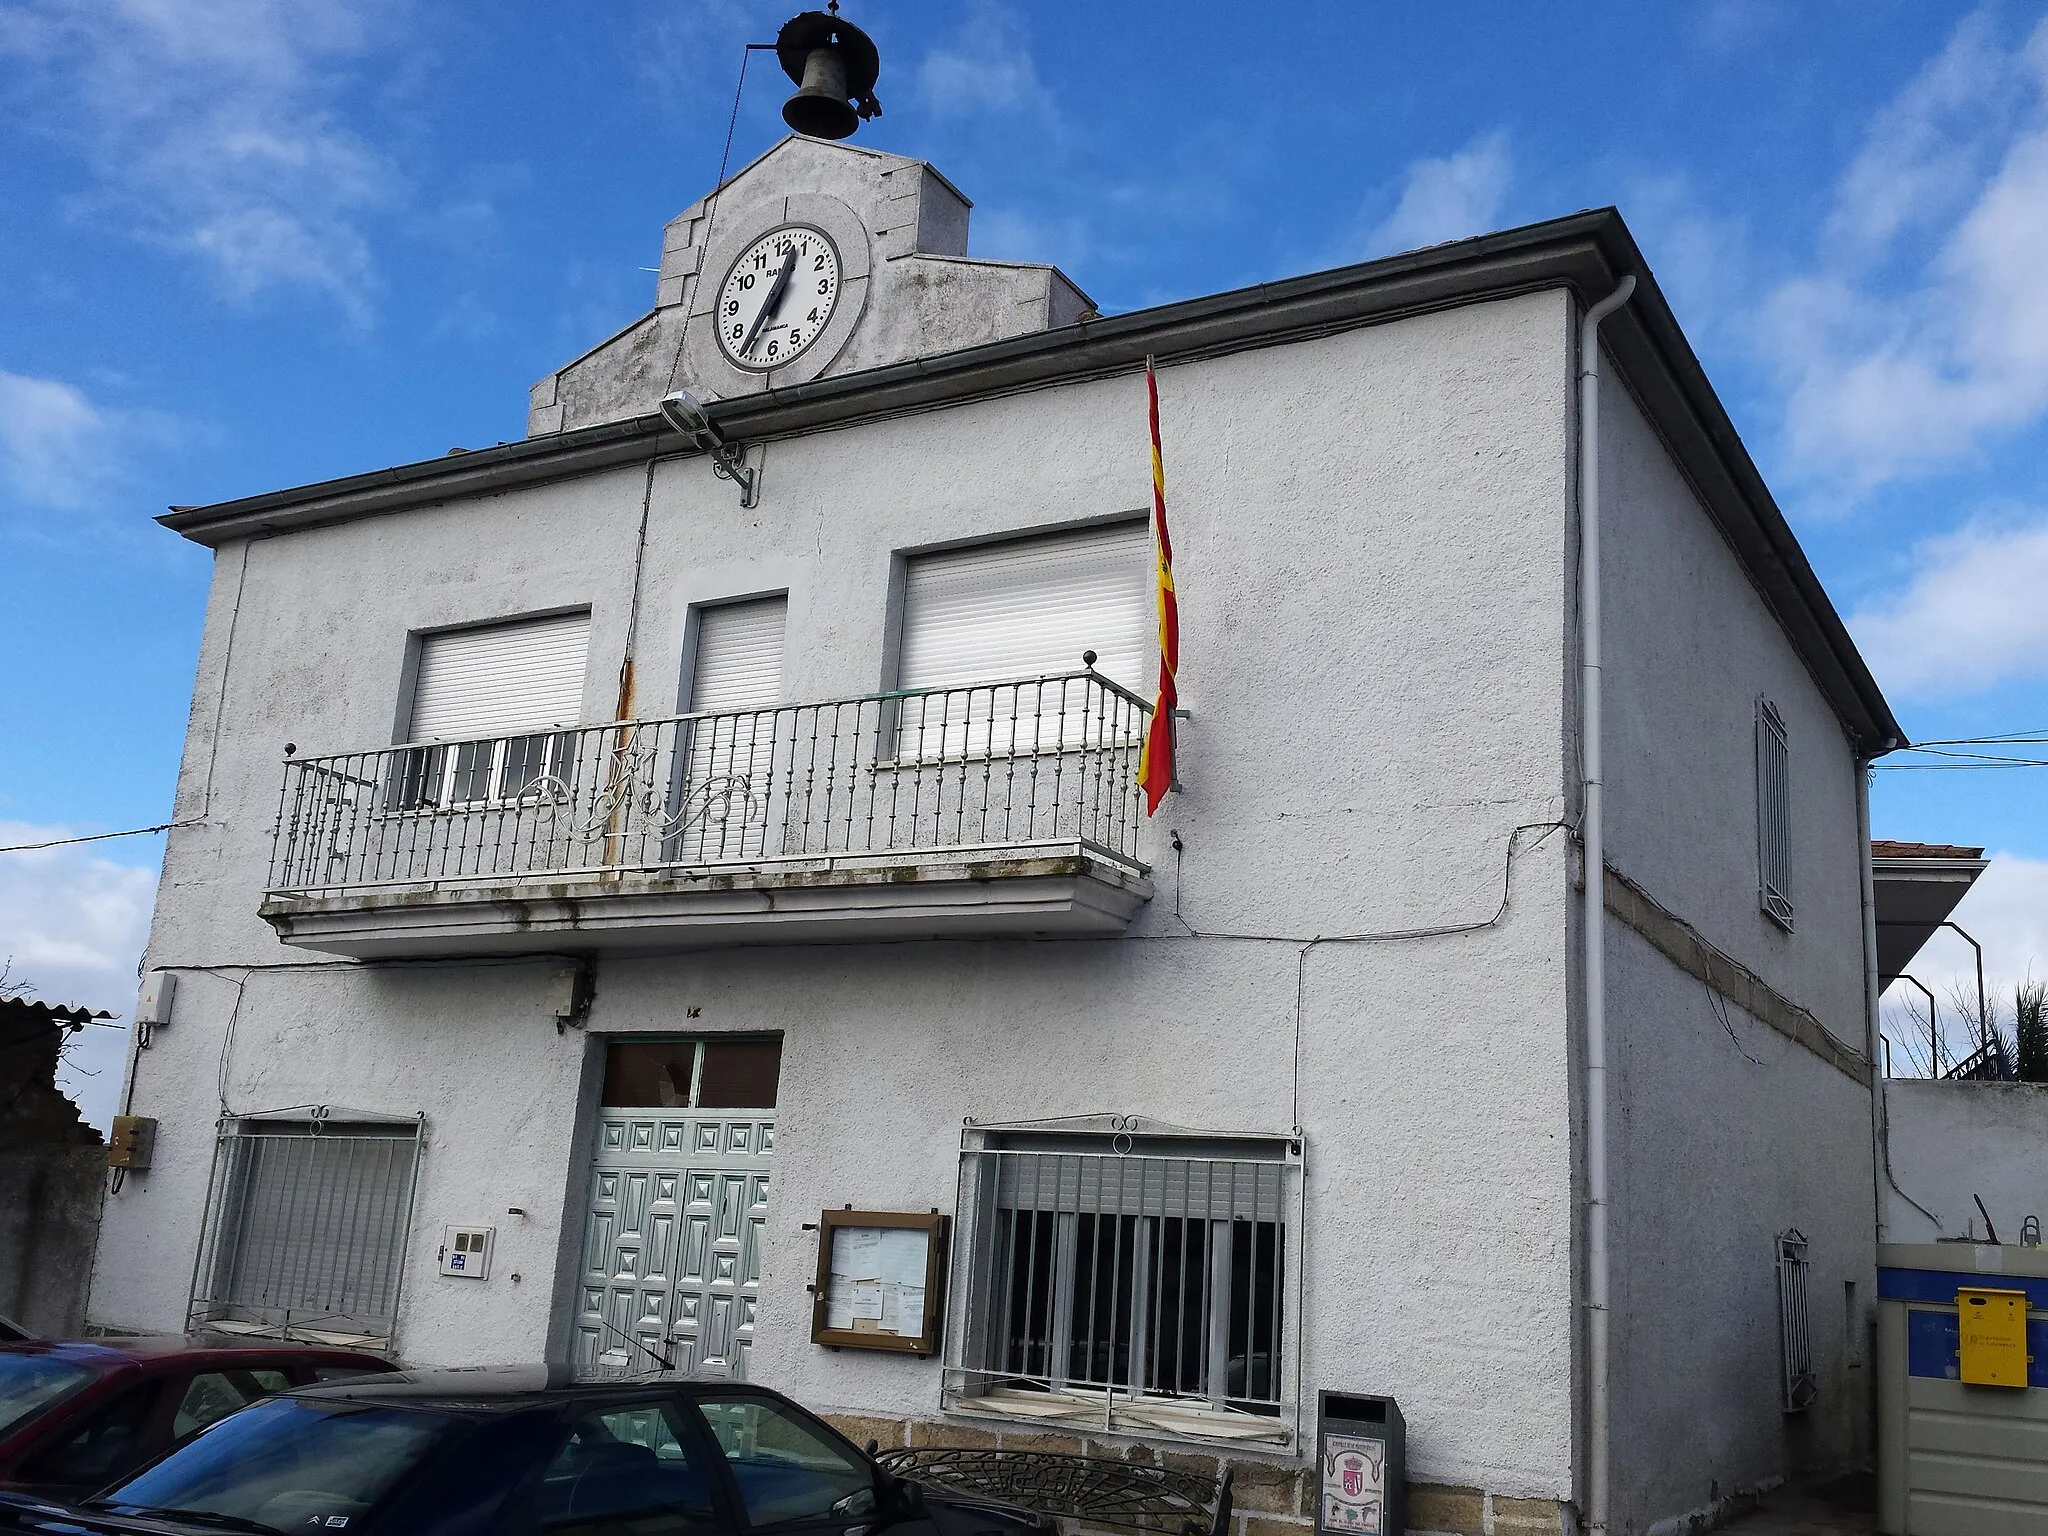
(287, 1465)
(30, 1383)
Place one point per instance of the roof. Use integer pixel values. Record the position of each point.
(1884, 848)
(1916, 886)
(1583, 253)
(482, 1385)
(20, 1010)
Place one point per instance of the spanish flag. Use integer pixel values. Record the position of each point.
(1155, 762)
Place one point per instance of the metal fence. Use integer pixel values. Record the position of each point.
(1130, 1280)
(306, 1228)
(1038, 761)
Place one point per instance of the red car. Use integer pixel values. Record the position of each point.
(75, 1414)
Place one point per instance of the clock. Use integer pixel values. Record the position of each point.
(777, 297)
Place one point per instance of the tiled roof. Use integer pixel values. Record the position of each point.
(1881, 848)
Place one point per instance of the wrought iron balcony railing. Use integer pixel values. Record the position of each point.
(1030, 763)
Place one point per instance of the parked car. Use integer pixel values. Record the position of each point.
(520, 1451)
(75, 1414)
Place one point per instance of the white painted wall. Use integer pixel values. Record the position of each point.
(1369, 534)
(1953, 1141)
(1713, 1152)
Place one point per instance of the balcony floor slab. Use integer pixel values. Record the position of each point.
(1065, 892)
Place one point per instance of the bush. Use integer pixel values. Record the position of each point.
(2030, 1018)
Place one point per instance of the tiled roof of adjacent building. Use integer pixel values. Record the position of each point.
(1885, 848)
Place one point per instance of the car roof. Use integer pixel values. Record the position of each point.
(118, 1350)
(502, 1386)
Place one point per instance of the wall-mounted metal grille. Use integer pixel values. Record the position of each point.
(306, 1229)
(1773, 813)
(1795, 1335)
(1132, 1284)
(1042, 762)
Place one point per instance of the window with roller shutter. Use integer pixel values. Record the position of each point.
(983, 625)
(478, 696)
(736, 683)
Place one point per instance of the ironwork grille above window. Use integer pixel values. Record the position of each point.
(1773, 813)
(1134, 1281)
(306, 1228)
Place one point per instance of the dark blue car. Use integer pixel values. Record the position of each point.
(519, 1452)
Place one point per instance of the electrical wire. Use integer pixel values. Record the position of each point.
(95, 837)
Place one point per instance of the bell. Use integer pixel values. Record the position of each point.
(835, 65)
(820, 107)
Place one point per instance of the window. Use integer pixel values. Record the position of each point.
(474, 687)
(306, 1228)
(1012, 613)
(110, 1443)
(1134, 1275)
(788, 1469)
(736, 679)
(1798, 1385)
(626, 1470)
(1773, 814)
(216, 1394)
(692, 1074)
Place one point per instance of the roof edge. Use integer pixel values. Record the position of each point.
(1586, 253)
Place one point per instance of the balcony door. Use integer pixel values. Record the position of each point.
(733, 770)
(677, 1197)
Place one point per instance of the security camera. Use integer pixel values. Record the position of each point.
(685, 412)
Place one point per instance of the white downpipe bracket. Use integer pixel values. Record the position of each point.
(1599, 1417)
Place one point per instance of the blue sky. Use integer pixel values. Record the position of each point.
(248, 245)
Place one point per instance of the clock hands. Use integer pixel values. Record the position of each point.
(773, 301)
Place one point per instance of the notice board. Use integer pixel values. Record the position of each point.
(880, 1280)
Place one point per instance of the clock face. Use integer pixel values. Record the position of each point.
(778, 297)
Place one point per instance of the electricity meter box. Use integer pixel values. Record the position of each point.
(1361, 1466)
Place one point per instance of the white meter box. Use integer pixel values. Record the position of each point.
(466, 1252)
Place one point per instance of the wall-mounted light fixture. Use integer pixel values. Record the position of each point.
(686, 414)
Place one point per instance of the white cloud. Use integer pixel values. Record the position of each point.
(54, 443)
(1974, 614)
(1896, 360)
(61, 450)
(72, 925)
(2007, 912)
(986, 69)
(213, 127)
(1447, 198)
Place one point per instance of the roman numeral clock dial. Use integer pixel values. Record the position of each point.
(777, 298)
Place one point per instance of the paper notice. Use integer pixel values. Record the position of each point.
(901, 1255)
(867, 1300)
(839, 1303)
(910, 1310)
(892, 1310)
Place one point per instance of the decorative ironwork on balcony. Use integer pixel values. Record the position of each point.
(1037, 769)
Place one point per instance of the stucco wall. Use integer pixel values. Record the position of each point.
(1952, 1141)
(1713, 1152)
(1369, 534)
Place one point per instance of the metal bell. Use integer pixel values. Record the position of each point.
(835, 65)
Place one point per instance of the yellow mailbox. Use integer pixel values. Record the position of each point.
(1993, 1335)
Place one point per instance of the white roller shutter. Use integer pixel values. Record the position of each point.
(739, 656)
(1031, 607)
(501, 679)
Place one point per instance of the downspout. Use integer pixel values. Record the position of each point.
(1880, 1159)
(1599, 1420)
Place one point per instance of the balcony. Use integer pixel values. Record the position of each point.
(1002, 808)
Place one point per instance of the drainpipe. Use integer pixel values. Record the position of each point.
(1880, 1160)
(1599, 1425)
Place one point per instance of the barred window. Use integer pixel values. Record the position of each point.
(306, 1229)
(1773, 813)
(1137, 1280)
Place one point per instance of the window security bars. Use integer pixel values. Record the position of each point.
(1040, 761)
(306, 1228)
(1773, 813)
(1800, 1386)
(1134, 1288)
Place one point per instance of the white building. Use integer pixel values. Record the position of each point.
(847, 903)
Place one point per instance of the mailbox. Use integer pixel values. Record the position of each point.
(1361, 1466)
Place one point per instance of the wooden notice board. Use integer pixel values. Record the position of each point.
(881, 1276)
